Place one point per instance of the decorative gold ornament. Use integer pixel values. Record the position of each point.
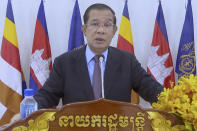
(40, 124)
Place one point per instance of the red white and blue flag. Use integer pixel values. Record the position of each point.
(160, 64)
(41, 63)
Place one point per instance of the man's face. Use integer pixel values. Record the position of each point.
(99, 30)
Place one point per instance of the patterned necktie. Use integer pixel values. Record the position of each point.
(97, 85)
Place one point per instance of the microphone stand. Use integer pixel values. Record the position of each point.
(101, 59)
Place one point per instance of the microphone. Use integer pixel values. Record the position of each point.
(101, 59)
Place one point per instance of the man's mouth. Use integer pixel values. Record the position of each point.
(100, 39)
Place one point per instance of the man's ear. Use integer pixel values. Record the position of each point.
(83, 28)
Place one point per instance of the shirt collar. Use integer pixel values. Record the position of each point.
(90, 54)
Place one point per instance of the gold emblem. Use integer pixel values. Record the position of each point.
(188, 62)
(40, 124)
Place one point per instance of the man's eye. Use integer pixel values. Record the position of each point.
(95, 24)
(108, 25)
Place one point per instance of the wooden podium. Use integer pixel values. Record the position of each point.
(98, 115)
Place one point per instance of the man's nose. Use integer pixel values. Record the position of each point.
(101, 29)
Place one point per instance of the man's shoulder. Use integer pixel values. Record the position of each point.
(74, 53)
(119, 52)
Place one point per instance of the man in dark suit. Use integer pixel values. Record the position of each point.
(72, 76)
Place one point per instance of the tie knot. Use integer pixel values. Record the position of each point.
(96, 58)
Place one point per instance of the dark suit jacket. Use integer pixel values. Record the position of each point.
(70, 80)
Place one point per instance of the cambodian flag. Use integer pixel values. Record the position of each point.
(41, 63)
(160, 64)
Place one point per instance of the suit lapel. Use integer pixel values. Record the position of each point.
(83, 73)
(111, 69)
